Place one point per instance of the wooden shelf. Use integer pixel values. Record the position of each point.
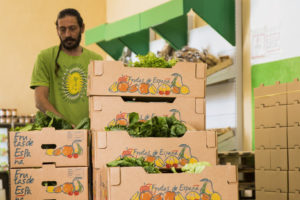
(219, 67)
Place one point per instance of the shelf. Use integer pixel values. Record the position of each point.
(223, 75)
(212, 70)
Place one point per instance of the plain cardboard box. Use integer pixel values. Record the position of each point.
(271, 117)
(294, 181)
(134, 183)
(66, 148)
(263, 195)
(294, 196)
(294, 136)
(112, 78)
(106, 111)
(271, 159)
(293, 92)
(63, 183)
(293, 115)
(294, 159)
(271, 138)
(271, 181)
(272, 95)
(108, 146)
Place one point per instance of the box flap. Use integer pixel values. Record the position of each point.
(98, 68)
(97, 105)
(201, 70)
(231, 173)
(115, 176)
(200, 106)
(211, 139)
(101, 140)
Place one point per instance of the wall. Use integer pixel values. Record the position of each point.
(26, 28)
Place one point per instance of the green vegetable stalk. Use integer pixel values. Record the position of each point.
(150, 60)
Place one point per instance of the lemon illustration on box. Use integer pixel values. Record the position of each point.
(70, 188)
(74, 150)
(153, 85)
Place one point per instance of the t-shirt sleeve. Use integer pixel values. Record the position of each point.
(40, 74)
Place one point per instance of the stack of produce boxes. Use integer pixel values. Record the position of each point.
(49, 164)
(277, 141)
(115, 91)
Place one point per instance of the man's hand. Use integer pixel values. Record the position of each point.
(41, 100)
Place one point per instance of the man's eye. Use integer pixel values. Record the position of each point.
(72, 28)
(62, 30)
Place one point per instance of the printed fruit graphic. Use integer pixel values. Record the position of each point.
(192, 196)
(112, 123)
(57, 189)
(170, 196)
(164, 89)
(135, 196)
(179, 196)
(123, 86)
(183, 161)
(184, 90)
(114, 87)
(144, 88)
(49, 152)
(207, 191)
(67, 150)
(171, 161)
(159, 162)
(50, 189)
(176, 90)
(146, 195)
(133, 88)
(57, 152)
(185, 155)
(152, 89)
(215, 196)
(68, 188)
(193, 160)
(150, 159)
(157, 197)
(177, 81)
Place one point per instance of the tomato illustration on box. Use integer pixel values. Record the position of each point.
(152, 86)
(74, 150)
(70, 188)
(205, 192)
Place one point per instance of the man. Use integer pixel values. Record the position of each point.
(59, 77)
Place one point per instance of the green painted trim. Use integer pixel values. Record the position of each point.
(161, 14)
(95, 35)
(114, 48)
(123, 27)
(268, 74)
(137, 42)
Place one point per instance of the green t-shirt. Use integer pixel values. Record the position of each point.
(67, 89)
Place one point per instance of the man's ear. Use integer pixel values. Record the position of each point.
(82, 28)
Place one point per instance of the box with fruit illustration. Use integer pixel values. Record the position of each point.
(49, 182)
(113, 78)
(62, 147)
(133, 183)
(175, 152)
(110, 111)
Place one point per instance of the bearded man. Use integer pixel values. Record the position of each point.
(59, 77)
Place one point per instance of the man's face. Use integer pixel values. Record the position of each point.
(69, 32)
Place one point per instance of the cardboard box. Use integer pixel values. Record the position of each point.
(271, 159)
(271, 181)
(294, 159)
(215, 182)
(293, 92)
(164, 152)
(271, 138)
(294, 181)
(263, 195)
(112, 78)
(294, 196)
(294, 137)
(293, 115)
(272, 95)
(62, 183)
(105, 111)
(271, 117)
(62, 147)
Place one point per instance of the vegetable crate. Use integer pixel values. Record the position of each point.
(175, 152)
(110, 111)
(65, 148)
(133, 183)
(112, 78)
(277, 140)
(49, 182)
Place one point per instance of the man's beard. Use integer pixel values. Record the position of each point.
(64, 43)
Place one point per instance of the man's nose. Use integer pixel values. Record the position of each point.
(68, 32)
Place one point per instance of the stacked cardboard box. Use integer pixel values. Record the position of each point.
(277, 140)
(49, 164)
(114, 92)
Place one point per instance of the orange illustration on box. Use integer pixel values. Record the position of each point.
(73, 150)
(184, 157)
(123, 118)
(206, 192)
(162, 87)
(71, 188)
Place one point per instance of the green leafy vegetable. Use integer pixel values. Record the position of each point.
(134, 162)
(154, 127)
(195, 168)
(150, 60)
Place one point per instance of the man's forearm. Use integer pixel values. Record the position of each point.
(44, 105)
